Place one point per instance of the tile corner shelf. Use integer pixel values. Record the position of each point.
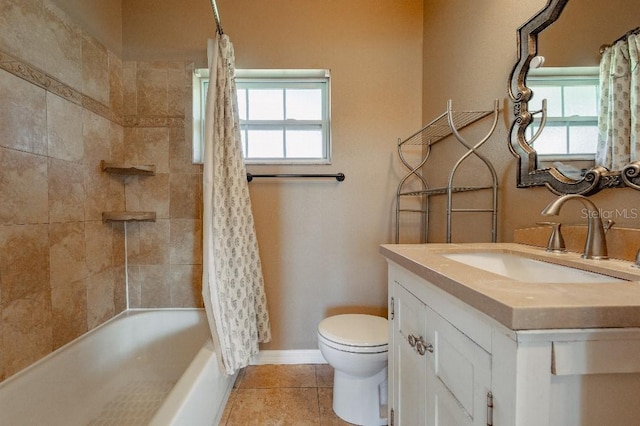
(128, 216)
(128, 169)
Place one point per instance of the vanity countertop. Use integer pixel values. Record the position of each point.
(522, 305)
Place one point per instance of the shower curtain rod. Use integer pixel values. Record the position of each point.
(216, 16)
(622, 38)
(338, 176)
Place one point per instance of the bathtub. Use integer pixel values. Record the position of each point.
(143, 367)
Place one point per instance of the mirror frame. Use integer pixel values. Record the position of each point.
(595, 179)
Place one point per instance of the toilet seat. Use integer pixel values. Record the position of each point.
(357, 333)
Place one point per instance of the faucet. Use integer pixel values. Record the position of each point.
(595, 246)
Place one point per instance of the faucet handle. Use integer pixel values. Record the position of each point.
(556, 241)
(607, 224)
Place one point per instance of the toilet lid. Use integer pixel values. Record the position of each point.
(355, 330)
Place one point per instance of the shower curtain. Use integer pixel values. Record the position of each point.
(618, 125)
(232, 282)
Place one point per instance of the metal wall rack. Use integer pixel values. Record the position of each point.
(448, 123)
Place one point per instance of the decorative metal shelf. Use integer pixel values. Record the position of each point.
(447, 124)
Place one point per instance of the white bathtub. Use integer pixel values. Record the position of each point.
(143, 367)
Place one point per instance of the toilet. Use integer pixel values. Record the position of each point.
(356, 346)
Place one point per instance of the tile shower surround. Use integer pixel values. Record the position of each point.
(68, 103)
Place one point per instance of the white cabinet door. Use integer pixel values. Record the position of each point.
(408, 375)
(458, 376)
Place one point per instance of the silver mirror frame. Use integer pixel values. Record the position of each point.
(529, 174)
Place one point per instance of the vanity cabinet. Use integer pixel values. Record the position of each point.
(439, 375)
(450, 364)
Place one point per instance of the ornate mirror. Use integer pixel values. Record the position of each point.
(580, 33)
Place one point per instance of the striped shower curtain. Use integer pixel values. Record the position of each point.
(232, 283)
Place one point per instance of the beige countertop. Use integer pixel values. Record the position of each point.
(522, 305)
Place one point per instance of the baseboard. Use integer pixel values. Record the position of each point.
(301, 356)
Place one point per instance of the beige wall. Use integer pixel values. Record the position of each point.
(469, 51)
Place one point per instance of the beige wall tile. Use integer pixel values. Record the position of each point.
(151, 84)
(120, 290)
(181, 151)
(135, 279)
(100, 297)
(115, 85)
(23, 188)
(99, 246)
(118, 240)
(153, 281)
(67, 251)
(22, 30)
(63, 46)
(186, 196)
(66, 191)
(2, 350)
(148, 243)
(186, 241)
(148, 193)
(64, 130)
(22, 115)
(95, 70)
(148, 145)
(97, 139)
(118, 149)
(129, 88)
(186, 286)
(24, 261)
(68, 311)
(26, 331)
(177, 91)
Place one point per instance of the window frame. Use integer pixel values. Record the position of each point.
(564, 77)
(263, 78)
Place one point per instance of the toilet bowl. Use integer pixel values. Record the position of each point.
(356, 346)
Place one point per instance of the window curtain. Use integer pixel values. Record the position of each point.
(618, 125)
(232, 282)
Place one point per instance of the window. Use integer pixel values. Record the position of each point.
(573, 104)
(284, 115)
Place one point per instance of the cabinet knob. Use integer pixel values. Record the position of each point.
(412, 340)
(419, 344)
(422, 347)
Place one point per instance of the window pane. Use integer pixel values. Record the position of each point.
(304, 144)
(266, 104)
(265, 144)
(581, 101)
(243, 137)
(583, 139)
(304, 104)
(552, 141)
(553, 95)
(242, 103)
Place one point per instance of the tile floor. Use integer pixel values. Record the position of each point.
(282, 395)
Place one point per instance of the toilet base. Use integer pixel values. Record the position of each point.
(361, 401)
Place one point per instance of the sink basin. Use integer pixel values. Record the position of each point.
(521, 268)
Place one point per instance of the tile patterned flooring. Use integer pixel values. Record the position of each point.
(266, 395)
